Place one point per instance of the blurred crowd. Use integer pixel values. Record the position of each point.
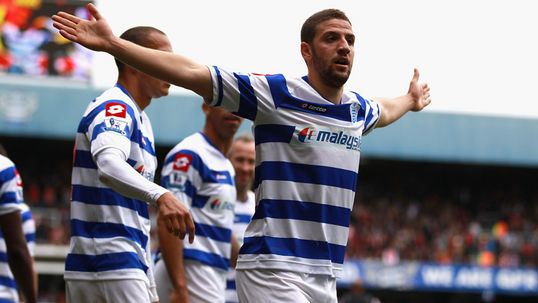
(482, 218)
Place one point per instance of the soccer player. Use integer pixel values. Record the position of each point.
(200, 175)
(242, 154)
(17, 234)
(308, 133)
(112, 182)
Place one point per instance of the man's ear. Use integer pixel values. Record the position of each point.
(205, 108)
(306, 52)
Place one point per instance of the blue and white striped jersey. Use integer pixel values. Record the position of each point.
(202, 178)
(10, 187)
(11, 200)
(307, 160)
(8, 286)
(244, 210)
(110, 232)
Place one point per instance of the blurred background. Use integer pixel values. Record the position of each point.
(447, 204)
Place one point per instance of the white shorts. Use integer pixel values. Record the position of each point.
(206, 284)
(264, 285)
(106, 291)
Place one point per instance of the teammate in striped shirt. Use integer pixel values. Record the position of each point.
(200, 175)
(109, 257)
(243, 157)
(308, 133)
(17, 234)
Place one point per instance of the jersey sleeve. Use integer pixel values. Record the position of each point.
(11, 197)
(237, 93)
(28, 227)
(111, 124)
(371, 111)
(181, 176)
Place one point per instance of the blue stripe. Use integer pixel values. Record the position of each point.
(30, 237)
(83, 158)
(9, 197)
(8, 282)
(283, 98)
(305, 173)
(220, 88)
(207, 175)
(307, 211)
(230, 284)
(131, 162)
(7, 174)
(199, 201)
(213, 232)
(107, 196)
(107, 230)
(242, 218)
(206, 258)
(308, 249)
(105, 262)
(27, 215)
(248, 103)
(3, 257)
(273, 133)
(6, 301)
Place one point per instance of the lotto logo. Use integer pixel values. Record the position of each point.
(182, 162)
(116, 109)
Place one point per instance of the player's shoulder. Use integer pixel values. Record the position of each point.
(190, 144)
(5, 162)
(115, 95)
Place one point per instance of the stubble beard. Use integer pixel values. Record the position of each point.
(327, 74)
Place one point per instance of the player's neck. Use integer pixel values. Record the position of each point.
(242, 192)
(331, 93)
(222, 143)
(135, 92)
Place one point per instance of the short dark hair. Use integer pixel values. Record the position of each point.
(138, 35)
(308, 31)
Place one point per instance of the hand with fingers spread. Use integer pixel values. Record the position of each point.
(175, 216)
(420, 93)
(94, 34)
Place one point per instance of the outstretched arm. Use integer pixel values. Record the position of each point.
(416, 99)
(96, 35)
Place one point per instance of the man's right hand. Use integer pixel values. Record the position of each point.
(94, 34)
(175, 216)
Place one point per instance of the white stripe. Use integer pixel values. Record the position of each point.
(87, 177)
(324, 194)
(276, 151)
(312, 266)
(5, 270)
(299, 229)
(100, 246)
